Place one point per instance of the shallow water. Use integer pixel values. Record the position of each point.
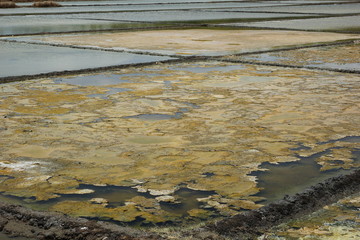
(349, 23)
(328, 9)
(264, 57)
(185, 199)
(182, 16)
(26, 59)
(344, 66)
(176, 2)
(290, 178)
(209, 69)
(126, 7)
(12, 25)
(93, 80)
(156, 117)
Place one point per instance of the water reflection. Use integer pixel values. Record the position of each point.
(290, 178)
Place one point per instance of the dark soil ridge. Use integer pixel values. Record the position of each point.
(16, 220)
(254, 223)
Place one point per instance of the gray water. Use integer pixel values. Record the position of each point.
(124, 2)
(350, 23)
(290, 178)
(26, 59)
(127, 7)
(182, 16)
(11, 25)
(328, 9)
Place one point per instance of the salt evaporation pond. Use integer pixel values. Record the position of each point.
(125, 7)
(324, 9)
(14, 25)
(348, 23)
(124, 2)
(179, 16)
(26, 59)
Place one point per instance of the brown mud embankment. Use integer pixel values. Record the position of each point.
(19, 221)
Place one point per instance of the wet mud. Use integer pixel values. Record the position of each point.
(18, 221)
(257, 222)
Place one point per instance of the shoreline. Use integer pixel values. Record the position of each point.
(19, 221)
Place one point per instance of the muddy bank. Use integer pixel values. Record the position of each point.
(257, 222)
(18, 221)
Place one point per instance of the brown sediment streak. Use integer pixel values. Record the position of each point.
(256, 222)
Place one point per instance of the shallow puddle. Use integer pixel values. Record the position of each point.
(93, 80)
(179, 203)
(292, 177)
(201, 69)
(156, 117)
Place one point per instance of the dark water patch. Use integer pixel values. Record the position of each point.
(111, 91)
(205, 69)
(300, 147)
(290, 178)
(345, 66)
(93, 80)
(155, 116)
(106, 79)
(186, 200)
(115, 195)
(352, 139)
(266, 57)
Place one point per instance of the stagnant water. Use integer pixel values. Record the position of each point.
(280, 179)
(292, 177)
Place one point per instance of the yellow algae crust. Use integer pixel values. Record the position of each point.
(198, 41)
(229, 119)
